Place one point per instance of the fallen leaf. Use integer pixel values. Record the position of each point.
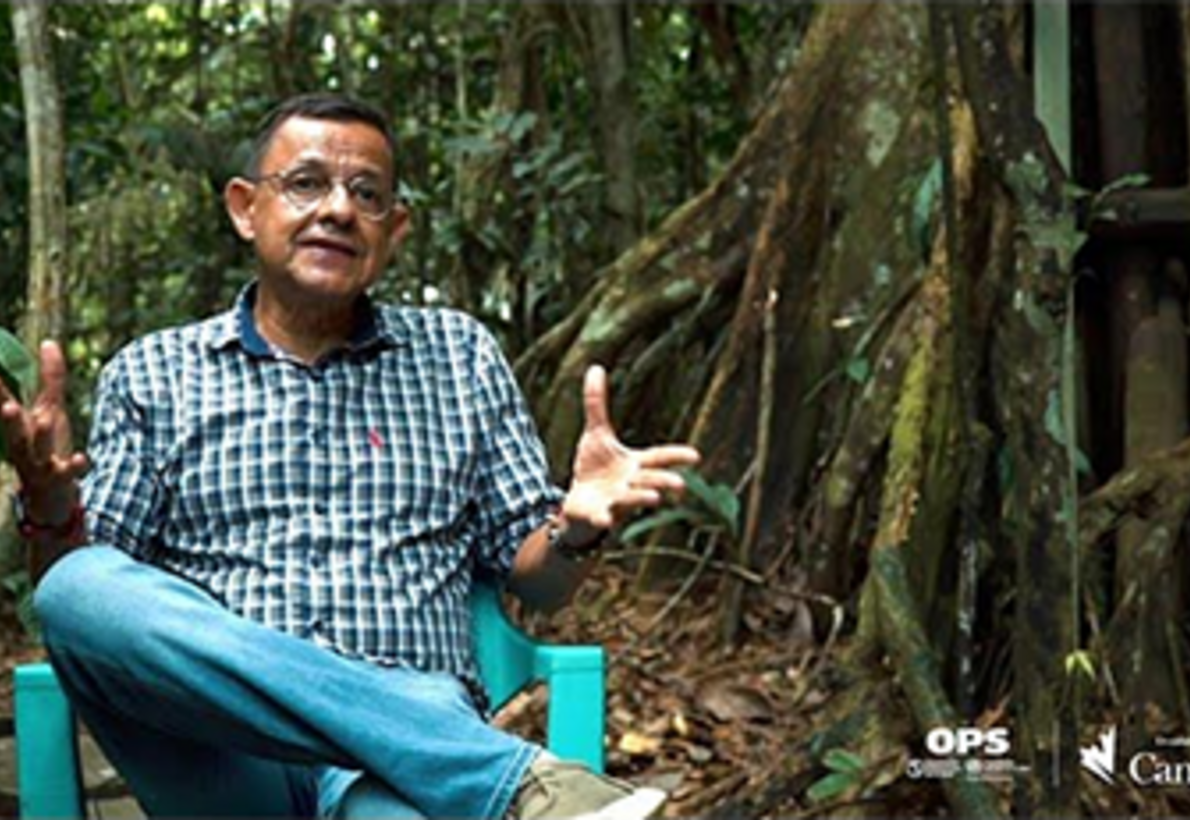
(802, 631)
(697, 753)
(680, 725)
(731, 702)
(637, 744)
(666, 781)
(657, 727)
(621, 715)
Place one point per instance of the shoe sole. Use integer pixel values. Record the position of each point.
(640, 805)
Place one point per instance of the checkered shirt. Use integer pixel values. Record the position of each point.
(348, 502)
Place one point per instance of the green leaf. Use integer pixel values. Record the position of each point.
(830, 786)
(478, 146)
(923, 208)
(27, 615)
(1038, 319)
(726, 507)
(1056, 428)
(18, 370)
(717, 499)
(19, 586)
(1061, 235)
(411, 195)
(696, 485)
(649, 523)
(18, 367)
(1138, 180)
(841, 760)
(858, 370)
(1080, 661)
(1053, 418)
(1005, 471)
(521, 125)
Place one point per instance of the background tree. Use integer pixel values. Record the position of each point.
(45, 312)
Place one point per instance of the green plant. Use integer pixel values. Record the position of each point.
(846, 774)
(706, 506)
(18, 371)
(20, 586)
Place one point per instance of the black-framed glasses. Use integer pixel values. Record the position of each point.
(305, 188)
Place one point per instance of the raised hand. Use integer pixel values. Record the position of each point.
(611, 480)
(39, 442)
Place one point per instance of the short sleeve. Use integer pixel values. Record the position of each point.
(122, 491)
(514, 495)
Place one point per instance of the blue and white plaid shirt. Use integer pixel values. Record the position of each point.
(348, 502)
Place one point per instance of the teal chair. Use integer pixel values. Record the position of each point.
(48, 777)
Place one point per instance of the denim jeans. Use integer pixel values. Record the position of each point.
(207, 714)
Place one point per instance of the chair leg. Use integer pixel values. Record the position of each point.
(576, 715)
(48, 774)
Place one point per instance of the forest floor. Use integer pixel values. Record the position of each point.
(726, 733)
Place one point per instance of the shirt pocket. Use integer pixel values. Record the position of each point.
(412, 481)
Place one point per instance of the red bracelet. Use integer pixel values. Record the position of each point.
(32, 531)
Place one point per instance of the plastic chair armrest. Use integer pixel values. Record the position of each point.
(575, 717)
(47, 750)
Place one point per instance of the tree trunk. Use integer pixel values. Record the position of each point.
(718, 20)
(45, 314)
(608, 28)
(1031, 361)
(279, 37)
(207, 289)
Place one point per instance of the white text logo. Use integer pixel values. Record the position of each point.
(967, 739)
(1100, 759)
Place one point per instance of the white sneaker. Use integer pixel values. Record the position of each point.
(556, 789)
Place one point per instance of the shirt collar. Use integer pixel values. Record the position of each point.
(375, 328)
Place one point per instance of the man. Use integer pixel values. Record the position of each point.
(284, 509)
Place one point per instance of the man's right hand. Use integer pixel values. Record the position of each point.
(40, 446)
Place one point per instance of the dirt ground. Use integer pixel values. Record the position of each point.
(723, 732)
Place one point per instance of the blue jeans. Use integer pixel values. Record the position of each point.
(207, 714)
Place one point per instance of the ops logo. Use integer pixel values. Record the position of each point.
(965, 740)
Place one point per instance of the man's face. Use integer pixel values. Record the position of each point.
(327, 251)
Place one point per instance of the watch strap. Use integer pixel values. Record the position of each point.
(31, 530)
(555, 534)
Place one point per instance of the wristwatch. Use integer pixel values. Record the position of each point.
(555, 535)
(31, 530)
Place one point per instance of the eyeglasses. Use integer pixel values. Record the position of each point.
(305, 188)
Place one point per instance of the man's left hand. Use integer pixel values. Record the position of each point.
(610, 480)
